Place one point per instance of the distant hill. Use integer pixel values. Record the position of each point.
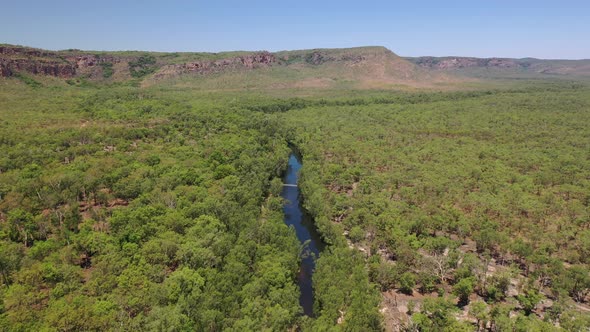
(371, 67)
(362, 67)
(504, 67)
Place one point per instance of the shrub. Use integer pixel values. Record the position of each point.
(144, 65)
(107, 69)
(407, 282)
(463, 289)
(356, 234)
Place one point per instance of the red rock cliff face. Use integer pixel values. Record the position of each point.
(15, 59)
(37, 62)
(90, 60)
(257, 60)
(9, 67)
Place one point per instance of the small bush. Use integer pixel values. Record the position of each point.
(463, 289)
(407, 282)
(144, 65)
(356, 234)
(107, 69)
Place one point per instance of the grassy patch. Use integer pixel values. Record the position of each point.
(28, 80)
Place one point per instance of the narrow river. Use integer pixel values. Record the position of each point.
(296, 216)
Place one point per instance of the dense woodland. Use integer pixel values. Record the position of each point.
(479, 201)
(123, 210)
(127, 208)
(131, 209)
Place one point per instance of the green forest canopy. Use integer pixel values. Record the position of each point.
(151, 209)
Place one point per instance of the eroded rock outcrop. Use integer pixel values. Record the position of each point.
(262, 59)
(91, 60)
(317, 58)
(465, 62)
(14, 59)
(8, 67)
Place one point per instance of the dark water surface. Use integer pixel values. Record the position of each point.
(296, 216)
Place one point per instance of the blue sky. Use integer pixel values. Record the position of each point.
(542, 29)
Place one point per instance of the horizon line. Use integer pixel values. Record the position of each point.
(294, 50)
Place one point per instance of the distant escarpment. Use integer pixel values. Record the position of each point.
(372, 67)
(63, 64)
(463, 62)
(360, 67)
(504, 66)
(159, 66)
(255, 61)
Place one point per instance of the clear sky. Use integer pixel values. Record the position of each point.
(483, 28)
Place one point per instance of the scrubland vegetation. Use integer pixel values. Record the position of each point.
(124, 209)
(128, 208)
(477, 202)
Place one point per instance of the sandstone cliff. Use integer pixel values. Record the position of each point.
(262, 59)
(14, 59)
(504, 66)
